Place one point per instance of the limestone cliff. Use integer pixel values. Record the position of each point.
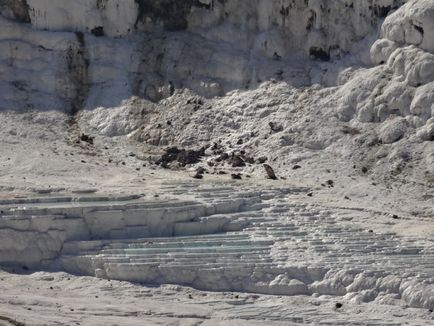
(87, 53)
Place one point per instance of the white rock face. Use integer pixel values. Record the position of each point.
(423, 101)
(393, 130)
(34, 67)
(115, 17)
(218, 46)
(401, 84)
(381, 51)
(391, 87)
(413, 24)
(283, 27)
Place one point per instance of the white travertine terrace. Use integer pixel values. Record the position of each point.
(255, 241)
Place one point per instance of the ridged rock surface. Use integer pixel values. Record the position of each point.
(113, 49)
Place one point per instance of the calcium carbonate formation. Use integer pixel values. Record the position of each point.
(298, 81)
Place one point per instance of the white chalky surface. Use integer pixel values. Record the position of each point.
(336, 96)
(227, 237)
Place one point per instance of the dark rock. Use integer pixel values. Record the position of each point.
(172, 14)
(200, 170)
(347, 130)
(276, 56)
(310, 194)
(182, 156)
(222, 172)
(249, 160)
(364, 169)
(195, 101)
(338, 305)
(216, 148)
(240, 142)
(98, 31)
(395, 217)
(275, 127)
(317, 53)
(330, 183)
(222, 157)
(270, 172)
(262, 159)
(296, 167)
(198, 176)
(86, 138)
(236, 176)
(237, 161)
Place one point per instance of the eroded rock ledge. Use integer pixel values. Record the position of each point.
(225, 240)
(148, 48)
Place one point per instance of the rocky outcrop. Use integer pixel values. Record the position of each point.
(149, 48)
(402, 83)
(283, 28)
(412, 24)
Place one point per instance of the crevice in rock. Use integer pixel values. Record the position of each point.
(317, 53)
(381, 11)
(101, 4)
(311, 20)
(98, 31)
(78, 69)
(173, 13)
(419, 29)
